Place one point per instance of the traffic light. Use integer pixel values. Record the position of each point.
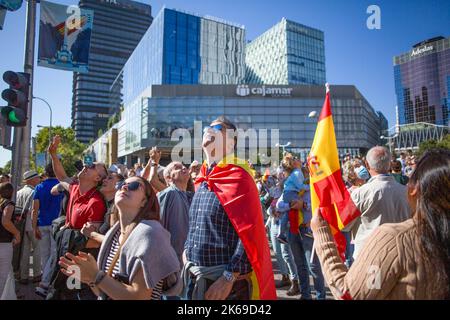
(17, 97)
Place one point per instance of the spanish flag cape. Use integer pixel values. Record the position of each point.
(328, 190)
(232, 182)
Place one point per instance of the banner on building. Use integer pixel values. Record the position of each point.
(64, 37)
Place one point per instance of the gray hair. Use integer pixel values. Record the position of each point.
(379, 159)
(168, 170)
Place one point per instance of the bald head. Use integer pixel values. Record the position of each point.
(379, 160)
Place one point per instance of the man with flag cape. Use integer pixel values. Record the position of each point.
(226, 254)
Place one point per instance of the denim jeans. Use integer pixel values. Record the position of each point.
(301, 246)
(348, 249)
(47, 246)
(314, 268)
(283, 254)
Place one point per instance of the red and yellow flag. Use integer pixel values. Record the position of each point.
(232, 182)
(328, 190)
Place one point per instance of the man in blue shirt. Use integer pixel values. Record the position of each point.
(46, 208)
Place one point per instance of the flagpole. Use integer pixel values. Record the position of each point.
(313, 250)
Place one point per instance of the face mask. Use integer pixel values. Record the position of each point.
(362, 173)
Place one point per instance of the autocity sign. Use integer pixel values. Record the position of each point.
(424, 49)
(244, 90)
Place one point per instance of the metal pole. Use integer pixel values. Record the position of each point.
(51, 115)
(29, 68)
(22, 136)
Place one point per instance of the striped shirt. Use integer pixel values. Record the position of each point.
(156, 292)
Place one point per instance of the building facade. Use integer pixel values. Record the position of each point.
(185, 49)
(118, 28)
(282, 108)
(287, 53)
(422, 83)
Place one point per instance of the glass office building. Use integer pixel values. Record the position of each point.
(422, 82)
(153, 120)
(183, 48)
(118, 28)
(287, 53)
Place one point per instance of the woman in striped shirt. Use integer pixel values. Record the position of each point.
(136, 259)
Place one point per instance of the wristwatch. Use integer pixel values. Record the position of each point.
(98, 278)
(229, 276)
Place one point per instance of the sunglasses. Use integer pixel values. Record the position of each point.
(132, 186)
(216, 128)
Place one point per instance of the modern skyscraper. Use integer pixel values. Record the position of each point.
(118, 28)
(287, 53)
(185, 49)
(422, 82)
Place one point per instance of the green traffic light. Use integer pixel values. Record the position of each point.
(13, 117)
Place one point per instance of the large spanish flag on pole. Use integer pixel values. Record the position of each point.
(328, 190)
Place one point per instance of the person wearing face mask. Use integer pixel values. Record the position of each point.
(136, 260)
(227, 253)
(399, 261)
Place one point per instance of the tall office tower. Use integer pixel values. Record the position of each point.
(422, 82)
(287, 53)
(118, 28)
(178, 48)
(185, 48)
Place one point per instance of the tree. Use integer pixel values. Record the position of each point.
(70, 149)
(431, 144)
(6, 169)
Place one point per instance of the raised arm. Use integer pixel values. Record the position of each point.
(60, 187)
(57, 165)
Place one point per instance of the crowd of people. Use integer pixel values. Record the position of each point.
(205, 231)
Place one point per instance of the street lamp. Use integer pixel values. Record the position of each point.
(389, 142)
(50, 127)
(312, 114)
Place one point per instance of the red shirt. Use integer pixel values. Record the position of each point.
(89, 207)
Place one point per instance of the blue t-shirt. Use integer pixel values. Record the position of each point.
(49, 205)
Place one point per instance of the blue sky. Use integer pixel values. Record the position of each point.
(354, 54)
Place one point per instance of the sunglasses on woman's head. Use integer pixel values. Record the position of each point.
(132, 186)
(216, 128)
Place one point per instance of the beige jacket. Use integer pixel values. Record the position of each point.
(388, 267)
(381, 200)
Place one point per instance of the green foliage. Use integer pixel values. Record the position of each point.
(70, 149)
(6, 169)
(430, 144)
